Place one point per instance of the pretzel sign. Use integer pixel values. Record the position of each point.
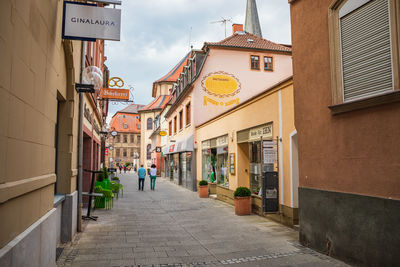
(116, 82)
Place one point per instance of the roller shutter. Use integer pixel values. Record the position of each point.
(366, 51)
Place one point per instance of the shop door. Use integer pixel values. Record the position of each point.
(255, 168)
(176, 168)
(182, 177)
(189, 180)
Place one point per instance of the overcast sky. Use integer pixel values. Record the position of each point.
(156, 34)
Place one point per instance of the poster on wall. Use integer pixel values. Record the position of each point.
(89, 22)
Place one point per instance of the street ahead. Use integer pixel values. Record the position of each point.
(171, 226)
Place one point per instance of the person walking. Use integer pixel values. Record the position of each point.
(153, 176)
(142, 175)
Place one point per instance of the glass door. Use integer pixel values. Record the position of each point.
(255, 168)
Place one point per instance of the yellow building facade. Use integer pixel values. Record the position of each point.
(232, 141)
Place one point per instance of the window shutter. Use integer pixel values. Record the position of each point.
(366, 51)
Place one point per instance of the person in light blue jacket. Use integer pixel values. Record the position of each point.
(142, 175)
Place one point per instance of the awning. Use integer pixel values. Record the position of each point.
(181, 145)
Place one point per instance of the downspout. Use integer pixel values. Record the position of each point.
(80, 142)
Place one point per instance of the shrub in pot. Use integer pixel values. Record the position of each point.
(242, 201)
(203, 189)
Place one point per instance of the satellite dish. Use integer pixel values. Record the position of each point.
(93, 75)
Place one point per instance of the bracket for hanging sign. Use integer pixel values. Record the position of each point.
(84, 88)
(110, 2)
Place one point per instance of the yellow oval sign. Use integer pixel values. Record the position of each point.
(221, 85)
(163, 133)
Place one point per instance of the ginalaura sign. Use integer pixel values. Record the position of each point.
(119, 94)
(90, 22)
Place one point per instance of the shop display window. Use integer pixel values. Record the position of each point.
(255, 168)
(222, 166)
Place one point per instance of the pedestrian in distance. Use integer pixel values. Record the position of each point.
(142, 175)
(120, 168)
(124, 169)
(153, 176)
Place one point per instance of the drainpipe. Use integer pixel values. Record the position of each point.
(80, 142)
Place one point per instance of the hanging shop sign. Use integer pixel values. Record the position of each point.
(158, 149)
(232, 163)
(114, 94)
(89, 22)
(264, 131)
(163, 133)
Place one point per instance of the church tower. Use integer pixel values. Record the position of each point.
(252, 24)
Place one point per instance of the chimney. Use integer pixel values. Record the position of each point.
(237, 28)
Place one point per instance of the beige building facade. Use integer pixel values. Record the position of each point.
(38, 133)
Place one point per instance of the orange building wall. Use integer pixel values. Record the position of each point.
(355, 152)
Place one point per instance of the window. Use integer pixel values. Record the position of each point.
(118, 138)
(188, 114)
(138, 139)
(125, 126)
(138, 126)
(148, 151)
(175, 121)
(125, 152)
(170, 128)
(125, 138)
(255, 62)
(268, 63)
(365, 65)
(117, 152)
(149, 124)
(132, 138)
(131, 152)
(180, 120)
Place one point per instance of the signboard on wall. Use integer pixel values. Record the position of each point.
(119, 94)
(89, 22)
(264, 131)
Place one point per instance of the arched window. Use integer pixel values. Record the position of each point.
(149, 124)
(148, 151)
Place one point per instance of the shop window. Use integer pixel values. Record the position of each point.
(255, 167)
(148, 151)
(366, 64)
(149, 124)
(188, 114)
(125, 138)
(268, 64)
(117, 152)
(180, 120)
(175, 121)
(170, 128)
(255, 62)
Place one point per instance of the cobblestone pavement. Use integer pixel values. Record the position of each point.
(171, 226)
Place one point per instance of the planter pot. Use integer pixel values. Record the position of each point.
(242, 206)
(203, 191)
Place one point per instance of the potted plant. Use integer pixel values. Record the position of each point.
(242, 201)
(203, 189)
(103, 178)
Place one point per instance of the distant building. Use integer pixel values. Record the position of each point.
(347, 107)
(125, 146)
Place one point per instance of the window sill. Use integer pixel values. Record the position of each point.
(58, 199)
(366, 102)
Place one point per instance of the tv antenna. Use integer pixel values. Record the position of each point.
(223, 21)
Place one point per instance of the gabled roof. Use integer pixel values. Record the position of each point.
(133, 108)
(173, 74)
(157, 103)
(248, 41)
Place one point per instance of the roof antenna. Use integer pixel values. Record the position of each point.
(223, 21)
(190, 39)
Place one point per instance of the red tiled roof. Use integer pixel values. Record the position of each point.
(249, 41)
(173, 75)
(157, 103)
(129, 120)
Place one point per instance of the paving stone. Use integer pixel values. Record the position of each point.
(173, 227)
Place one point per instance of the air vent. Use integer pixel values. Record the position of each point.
(250, 40)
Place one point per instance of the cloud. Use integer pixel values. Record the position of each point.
(156, 34)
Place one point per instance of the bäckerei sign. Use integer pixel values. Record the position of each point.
(90, 22)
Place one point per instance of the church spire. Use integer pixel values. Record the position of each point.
(252, 24)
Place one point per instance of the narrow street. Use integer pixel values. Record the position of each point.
(171, 226)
